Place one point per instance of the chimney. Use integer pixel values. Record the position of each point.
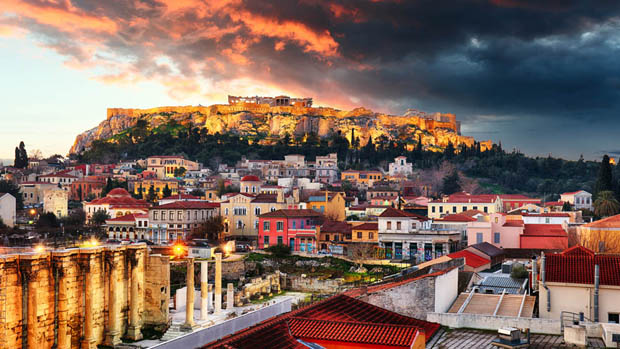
(596, 291)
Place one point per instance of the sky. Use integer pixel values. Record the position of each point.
(542, 77)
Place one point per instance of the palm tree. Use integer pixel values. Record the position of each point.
(606, 205)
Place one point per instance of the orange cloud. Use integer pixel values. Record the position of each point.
(67, 16)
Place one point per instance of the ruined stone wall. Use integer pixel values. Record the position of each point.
(157, 290)
(77, 297)
(415, 299)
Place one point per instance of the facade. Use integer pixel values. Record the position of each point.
(514, 201)
(143, 186)
(497, 229)
(333, 237)
(83, 187)
(241, 211)
(56, 201)
(400, 167)
(250, 185)
(579, 199)
(407, 236)
(176, 220)
(8, 209)
(461, 202)
(279, 101)
(365, 233)
(164, 166)
(331, 205)
(326, 168)
(62, 178)
(117, 203)
(33, 191)
(382, 196)
(365, 179)
(601, 235)
(567, 284)
(294, 228)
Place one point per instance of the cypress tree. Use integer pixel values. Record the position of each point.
(604, 181)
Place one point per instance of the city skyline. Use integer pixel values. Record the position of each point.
(537, 77)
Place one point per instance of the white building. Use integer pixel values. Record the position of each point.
(579, 199)
(326, 168)
(8, 209)
(400, 166)
(546, 218)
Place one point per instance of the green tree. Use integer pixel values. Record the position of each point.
(604, 181)
(451, 183)
(566, 206)
(47, 220)
(606, 204)
(100, 217)
(21, 156)
(79, 193)
(150, 196)
(180, 171)
(166, 192)
(197, 192)
(10, 187)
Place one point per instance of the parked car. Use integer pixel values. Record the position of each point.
(113, 241)
(242, 247)
(148, 242)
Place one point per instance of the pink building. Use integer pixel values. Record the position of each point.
(293, 228)
(497, 230)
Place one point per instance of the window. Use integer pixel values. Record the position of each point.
(279, 226)
(613, 318)
(256, 224)
(226, 211)
(257, 211)
(371, 235)
(389, 225)
(266, 226)
(272, 209)
(496, 237)
(326, 237)
(486, 209)
(475, 207)
(336, 237)
(239, 211)
(266, 241)
(464, 208)
(478, 238)
(154, 214)
(433, 209)
(280, 240)
(453, 209)
(359, 234)
(496, 219)
(163, 215)
(547, 220)
(239, 224)
(398, 225)
(294, 224)
(440, 209)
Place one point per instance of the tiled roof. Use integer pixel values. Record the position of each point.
(472, 213)
(394, 213)
(517, 197)
(356, 332)
(182, 197)
(335, 227)
(609, 222)
(471, 259)
(513, 223)
(576, 266)
(367, 226)
(554, 203)
(289, 213)
(573, 192)
(457, 217)
(279, 332)
(181, 205)
(544, 230)
(265, 198)
(487, 249)
(468, 198)
(125, 218)
(250, 178)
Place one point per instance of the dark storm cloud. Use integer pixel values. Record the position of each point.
(546, 62)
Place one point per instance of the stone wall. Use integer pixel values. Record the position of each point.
(312, 284)
(78, 297)
(157, 290)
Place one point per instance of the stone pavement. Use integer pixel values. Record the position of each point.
(465, 338)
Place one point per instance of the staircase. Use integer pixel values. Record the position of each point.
(173, 332)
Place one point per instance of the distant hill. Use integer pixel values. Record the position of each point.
(265, 124)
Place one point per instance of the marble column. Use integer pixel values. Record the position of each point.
(204, 290)
(88, 342)
(210, 297)
(113, 335)
(133, 331)
(230, 296)
(218, 283)
(64, 332)
(189, 308)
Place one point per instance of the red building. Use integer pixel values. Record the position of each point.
(514, 201)
(337, 322)
(293, 228)
(81, 188)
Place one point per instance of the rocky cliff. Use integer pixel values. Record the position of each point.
(265, 123)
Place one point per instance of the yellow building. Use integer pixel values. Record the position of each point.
(603, 233)
(330, 204)
(461, 202)
(143, 186)
(366, 178)
(164, 166)
(366, 233)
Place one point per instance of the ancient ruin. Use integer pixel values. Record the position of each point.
(81, 297)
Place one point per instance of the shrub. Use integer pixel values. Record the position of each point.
(279, 250)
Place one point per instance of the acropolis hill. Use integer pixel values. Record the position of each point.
(266, 118)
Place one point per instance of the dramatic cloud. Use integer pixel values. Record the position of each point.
(495, 63)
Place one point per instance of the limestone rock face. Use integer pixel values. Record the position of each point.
(263, 122)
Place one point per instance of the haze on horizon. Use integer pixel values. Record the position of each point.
(540, 77)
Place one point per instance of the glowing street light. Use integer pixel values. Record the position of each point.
(39, 249)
